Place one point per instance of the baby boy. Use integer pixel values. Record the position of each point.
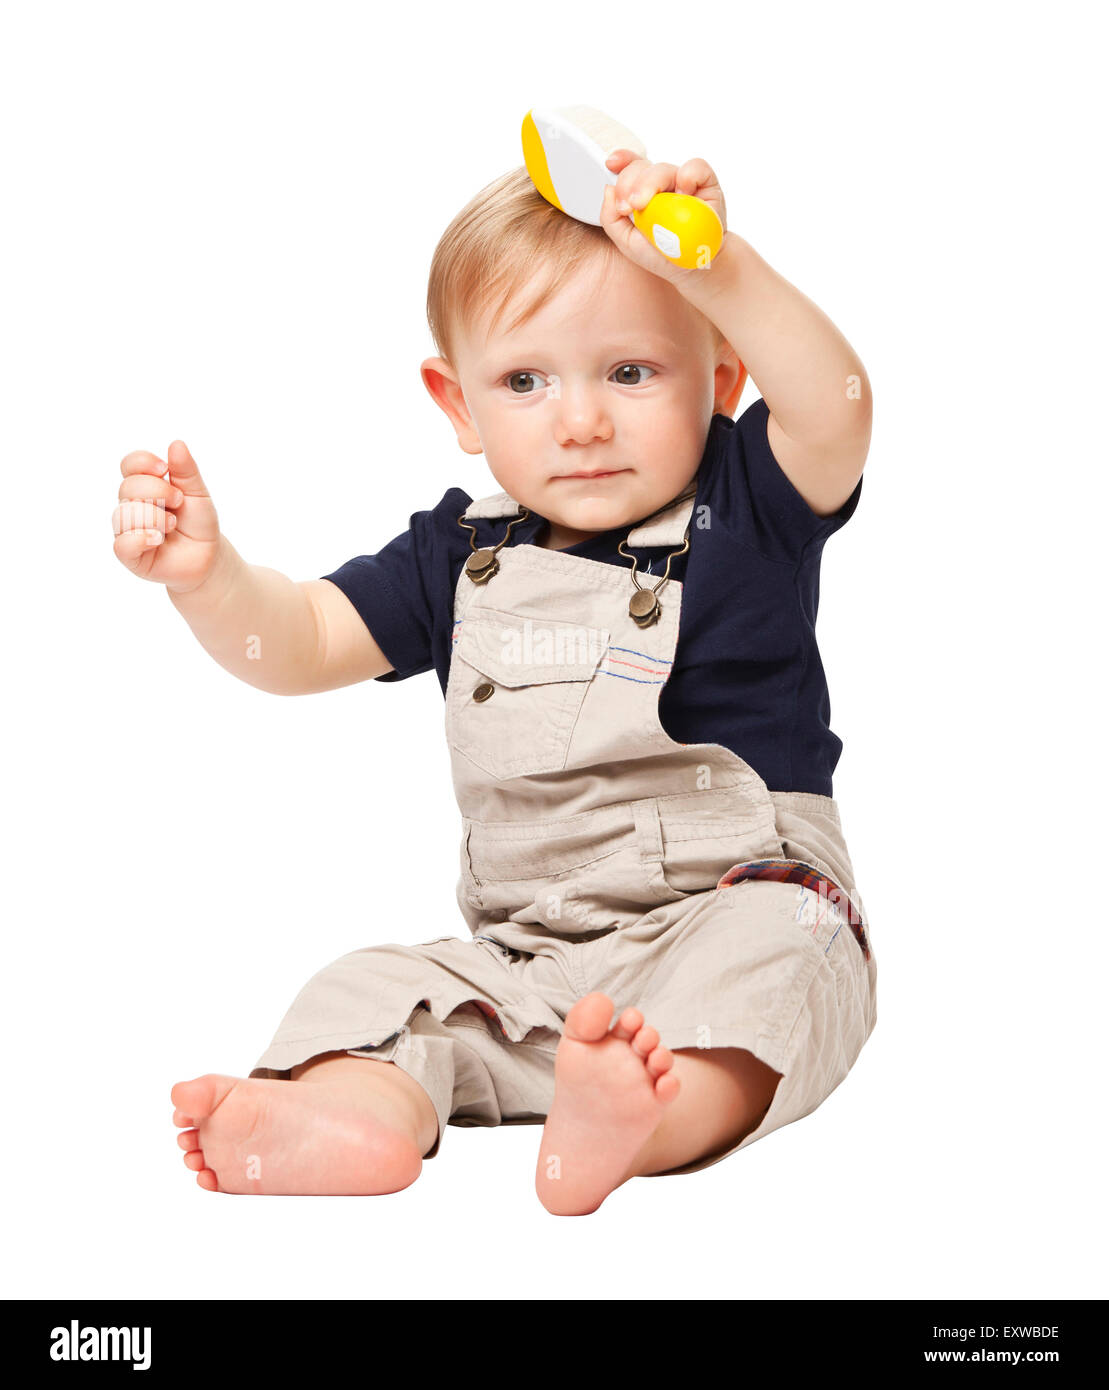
(666, 957)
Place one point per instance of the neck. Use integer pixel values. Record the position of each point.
(555, 537)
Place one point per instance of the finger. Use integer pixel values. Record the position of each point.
(146, 485)
(657, 178)
(621, 229)
(618, 159)
(143, 462)
(184, 471)
(142, 515)
(618, 225)
(695, 174)
(629, 178)
(131, 546)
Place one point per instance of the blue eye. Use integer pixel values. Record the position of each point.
(633, 367)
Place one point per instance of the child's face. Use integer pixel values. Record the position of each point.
(616, 374)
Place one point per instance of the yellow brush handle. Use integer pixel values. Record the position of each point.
(685, 229)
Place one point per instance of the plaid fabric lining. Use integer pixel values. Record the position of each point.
(778, 870)
(789, 871)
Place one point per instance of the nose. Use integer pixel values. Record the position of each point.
(582, 416)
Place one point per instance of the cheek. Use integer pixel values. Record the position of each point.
(513, 457)
(676, 455)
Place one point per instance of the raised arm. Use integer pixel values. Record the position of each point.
(815, 387)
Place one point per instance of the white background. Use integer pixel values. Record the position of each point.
(218, 224)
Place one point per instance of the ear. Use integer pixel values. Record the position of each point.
(731, 377)
(445, 389)
(732, 403)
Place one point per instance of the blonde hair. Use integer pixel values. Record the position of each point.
(496, 246)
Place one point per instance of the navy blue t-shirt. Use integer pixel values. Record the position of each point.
(746, 673)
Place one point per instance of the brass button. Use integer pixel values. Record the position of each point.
(482, 691)
(644, 607)
(482, 565)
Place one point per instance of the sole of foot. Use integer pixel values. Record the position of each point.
(612, 1087)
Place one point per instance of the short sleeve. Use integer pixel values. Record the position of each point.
(783, 522)
(395, 590)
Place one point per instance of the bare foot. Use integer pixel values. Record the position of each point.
(611, 1089)
(333, 1138)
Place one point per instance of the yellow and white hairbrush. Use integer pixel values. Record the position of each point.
(565, 148)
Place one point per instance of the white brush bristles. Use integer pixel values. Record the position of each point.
(576, 142)
(606, 133)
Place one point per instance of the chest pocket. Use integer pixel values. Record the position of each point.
(516, 690)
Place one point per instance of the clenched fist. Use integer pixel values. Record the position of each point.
(166, 527)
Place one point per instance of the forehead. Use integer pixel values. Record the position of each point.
(610, 306)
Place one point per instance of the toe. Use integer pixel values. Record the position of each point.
(667, 1087)
(588, 1020)
(183, 1121)
(645, 1041)
(198, 1098)
(181, 1089)
(628, 1024)
(194, 1160)
(660, 1060)
(189, 1140)
(207, 1180)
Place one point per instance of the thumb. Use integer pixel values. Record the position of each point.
(183, 470)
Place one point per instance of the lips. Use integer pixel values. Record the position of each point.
(599, 473)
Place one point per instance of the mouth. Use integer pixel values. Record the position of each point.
(598, 473)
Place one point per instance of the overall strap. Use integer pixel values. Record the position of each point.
(665, 527)
(497, 504)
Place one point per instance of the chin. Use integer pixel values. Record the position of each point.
(597, 514)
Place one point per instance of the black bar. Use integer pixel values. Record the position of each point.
(238, 1336)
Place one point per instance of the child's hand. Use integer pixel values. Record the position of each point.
(168, 502)
(638, 182)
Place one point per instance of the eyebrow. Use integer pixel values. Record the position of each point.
(650, 340)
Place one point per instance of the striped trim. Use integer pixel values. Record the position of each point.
(786, 871)
(637, 680)
(657, 660)
(652, 670)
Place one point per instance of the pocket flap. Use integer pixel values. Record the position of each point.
(517, 651)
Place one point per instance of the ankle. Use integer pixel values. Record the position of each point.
(400, 1100)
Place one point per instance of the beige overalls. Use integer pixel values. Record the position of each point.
(594, 856)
